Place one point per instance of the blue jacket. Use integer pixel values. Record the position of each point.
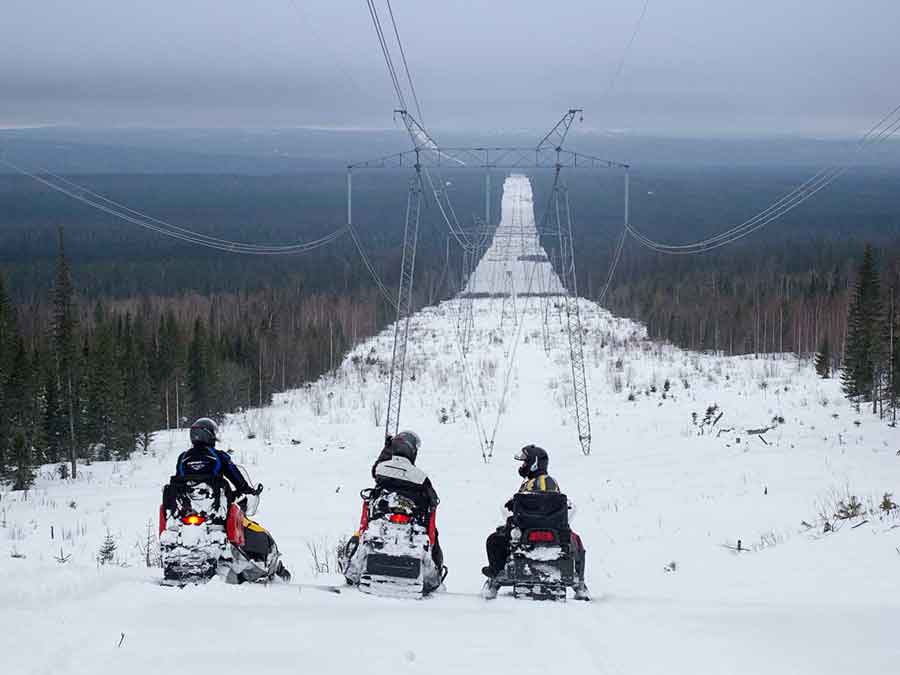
(200, 460)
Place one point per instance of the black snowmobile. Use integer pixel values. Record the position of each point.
(541, 564)
(204, 532)
(392, 555)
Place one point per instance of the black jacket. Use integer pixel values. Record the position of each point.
(203, 461)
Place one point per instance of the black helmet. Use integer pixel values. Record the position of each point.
(203, 432)
(405, 444)
(534, 461)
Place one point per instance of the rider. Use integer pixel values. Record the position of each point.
(395, 469)
(533, 469)
(203, 458)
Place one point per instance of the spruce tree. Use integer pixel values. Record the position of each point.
(8, 339)
(892, 342)
(863, 351)
(104, 374)
(64, 348)
(198, 373)
(143, 398)
(8, 331)
(823, 358)
(23, 478)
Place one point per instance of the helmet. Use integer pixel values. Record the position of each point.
(534, 461)
(406, 444)
(204, 431)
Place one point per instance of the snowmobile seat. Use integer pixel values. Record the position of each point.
(258, 543)
(418, 497)
(175, 497)
(543, 511)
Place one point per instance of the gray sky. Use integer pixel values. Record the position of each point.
(705, 67)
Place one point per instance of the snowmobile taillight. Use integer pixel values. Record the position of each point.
(399, 518)
(541, 537)
(193, 519)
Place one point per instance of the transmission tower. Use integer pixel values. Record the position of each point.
(428, 158)
(563, 214)
(404, 304)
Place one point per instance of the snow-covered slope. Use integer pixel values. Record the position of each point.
(659, 504)
(515, 263)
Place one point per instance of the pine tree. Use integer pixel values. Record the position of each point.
(823, 358)
(15, 397)
(893, 350)
(64, 347)
(103, 377)
(107, 552)
(145, 412)
(8, 340)
(8, 331)
(198, 373)
(863, 352)
(23, 478)
(166, 362)
(55, 427)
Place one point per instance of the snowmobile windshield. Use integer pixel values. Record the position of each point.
(250, 503)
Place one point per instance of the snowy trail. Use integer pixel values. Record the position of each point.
(655, 491)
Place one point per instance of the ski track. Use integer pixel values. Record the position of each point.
(653, 492)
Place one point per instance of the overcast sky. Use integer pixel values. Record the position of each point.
(706, 67)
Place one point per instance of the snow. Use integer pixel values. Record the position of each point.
(655, 491)
(515, 263)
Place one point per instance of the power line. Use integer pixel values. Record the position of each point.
(618, 71)
(412, 88)
(376, 21)
(135, 217)
(377, 279)
(886, 127)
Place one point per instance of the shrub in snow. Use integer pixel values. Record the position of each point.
(148, 546)
(107, 552)
(850, 508)
(887, 503)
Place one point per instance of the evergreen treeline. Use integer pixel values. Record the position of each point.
(91, 379)
(871, 370)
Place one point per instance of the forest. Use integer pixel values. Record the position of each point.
(108, 333)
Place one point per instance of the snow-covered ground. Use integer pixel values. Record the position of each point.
(661, 501)
(515, 262)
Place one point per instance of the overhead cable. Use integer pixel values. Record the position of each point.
(377, 279)
(880, 132)
(412, 87)
(105, 205)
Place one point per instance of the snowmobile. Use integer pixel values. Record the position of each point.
(204, 532)
(541, 564)
(392, 555)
